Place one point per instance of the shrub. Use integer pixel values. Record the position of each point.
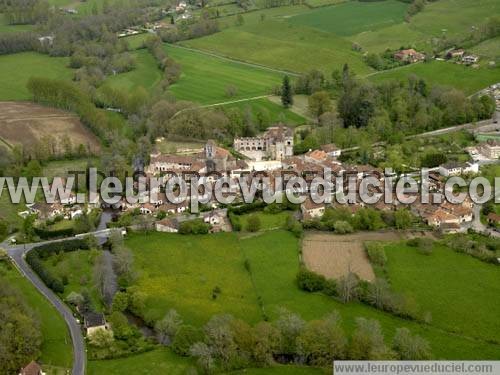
(310, 281)
(342, 227)
(253, 223)
(186, 336)
(376, 253)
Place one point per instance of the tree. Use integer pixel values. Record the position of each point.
(347, 287)
(376, 253)
(74, 298)
(367, 342)
(286, 92)
(185, 338)
(403, 219)
(167, 328)
(253, 223)
(290, 326)
(267, 339)
(101, 338)
(319, 103)
(203, 352)
(240, 21)
(408, 347)
(120, 301)
(219, 336)
(322, 341)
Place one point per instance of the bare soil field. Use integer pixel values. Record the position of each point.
(27, 124)
(333, 256)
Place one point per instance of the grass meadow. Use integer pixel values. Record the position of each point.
(353, 17)
(56, 346)
(16, 69)
(268, 221)
(275, 112)
(182, 272)
(6, 28)
(467, 79)
(205, 79)
(460, 291)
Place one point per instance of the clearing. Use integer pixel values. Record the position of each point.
(28, 123)
(334, 256)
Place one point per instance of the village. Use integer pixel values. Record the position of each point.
(270, 155)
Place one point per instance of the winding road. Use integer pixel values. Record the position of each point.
(17, 253)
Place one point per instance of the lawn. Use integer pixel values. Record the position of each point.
(273, 258)
(16, 69)
(267, 220)
(146, 74)
(460, 291)
(9, 211)
(205, 79)
(61, 168)
(353, 17)
(465, 78)
(136, 41)
(56, 346)
(181, 272)
(277, 43)
(274, 112)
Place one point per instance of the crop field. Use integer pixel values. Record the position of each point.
(280, 44)
(334, 256)
(183, 271)
(465, 78)
(16, 69)
(27, 123)
(269, 109)
(56, 346)
(146, 74)
(353, 17)
(206, 79)
(460, 291)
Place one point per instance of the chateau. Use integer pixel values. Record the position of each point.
(275, 144)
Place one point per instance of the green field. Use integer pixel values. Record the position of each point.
(443, 17)
(323, 3)
(56, 345)
(136, 41)
(146, 74)
(460, 291)
(268, 221)
(181, 272)
(353, 17)
(275, 112)
(205, 78)
(488, 50)
(279, 44)
(16, 69)
(465, 78)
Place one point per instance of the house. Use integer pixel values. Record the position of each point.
(32, 368)
(409, 56)
(315, 156)
(167, 225)
(213, 218)
(455, 53)
(470, 59)
(93, 322)
(47, 40)
(331, 150)
(490, 149)
(311, 209)
(493, 219)
(147, 209)
(454, 168)
(275, 144)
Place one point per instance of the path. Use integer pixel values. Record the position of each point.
(17, 253)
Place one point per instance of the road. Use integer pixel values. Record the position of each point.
(17, 253)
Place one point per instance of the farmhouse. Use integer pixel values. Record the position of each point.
(455, 53)
(275, 144)
(168, 225)
(409, 56)
(454, 168)
(490, 149)
(32, 368)
(311, 209)
(93, 322)
(331, 150)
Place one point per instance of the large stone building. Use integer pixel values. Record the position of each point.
(490, 149)
(275, 144)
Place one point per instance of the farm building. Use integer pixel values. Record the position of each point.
(32, 368)
(167, 225)
(93, 322)
(490, 149)
(470, 59)
(311, 209)
(409, 56)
